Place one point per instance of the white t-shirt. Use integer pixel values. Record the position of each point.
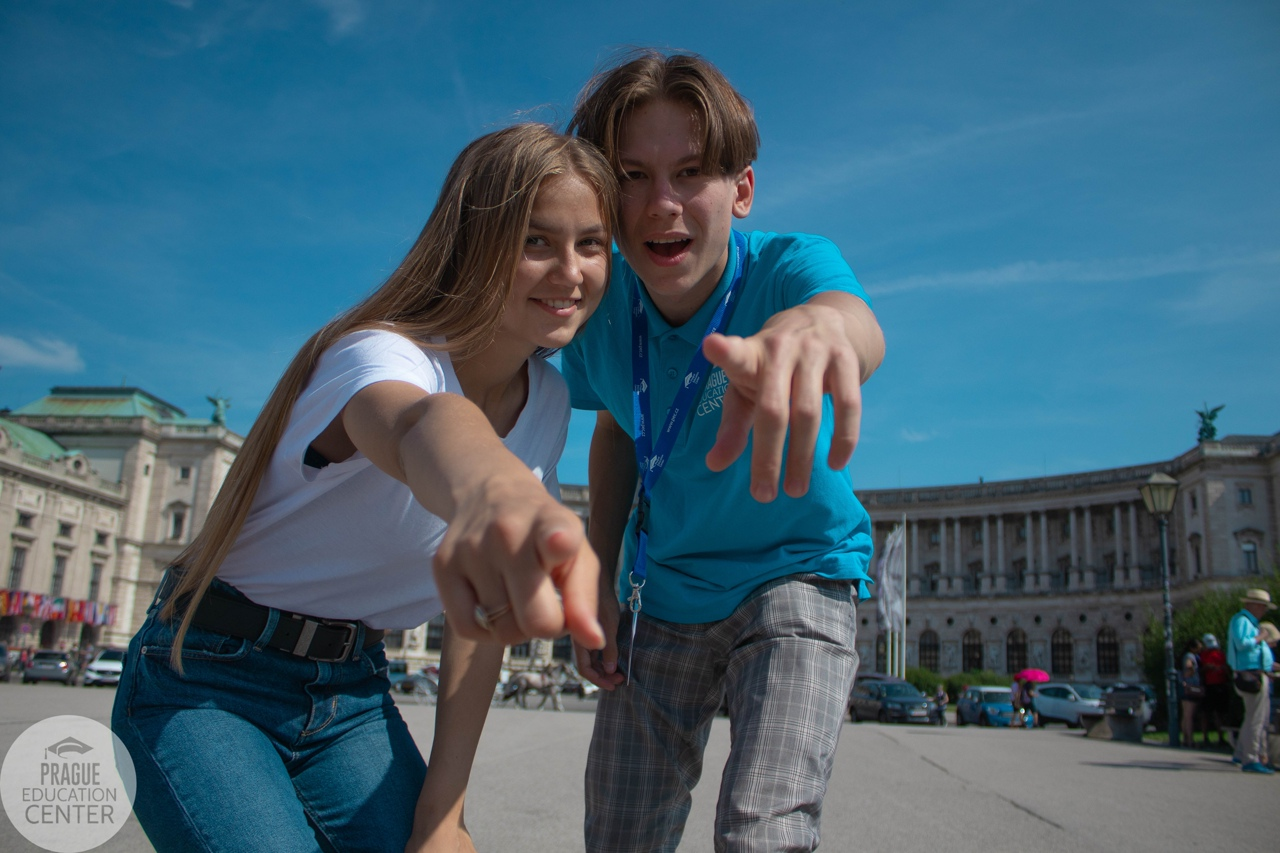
(348, 541)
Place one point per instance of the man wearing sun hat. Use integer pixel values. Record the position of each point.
(1250, 657)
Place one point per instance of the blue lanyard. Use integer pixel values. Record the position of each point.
(651, 461)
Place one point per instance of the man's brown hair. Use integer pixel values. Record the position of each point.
(721, 116)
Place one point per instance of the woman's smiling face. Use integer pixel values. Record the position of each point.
(564, 266)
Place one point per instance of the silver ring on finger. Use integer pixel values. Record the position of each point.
(485, 618)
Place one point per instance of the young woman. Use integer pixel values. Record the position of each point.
(254, 701)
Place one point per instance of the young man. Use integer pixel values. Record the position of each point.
(733, 592)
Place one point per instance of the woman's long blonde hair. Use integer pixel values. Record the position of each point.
(453, 284)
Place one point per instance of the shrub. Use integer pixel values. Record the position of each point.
(924, 680)
(956, 683)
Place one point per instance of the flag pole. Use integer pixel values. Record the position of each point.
(905, 572)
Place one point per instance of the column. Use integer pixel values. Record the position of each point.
(1044, 549)
(1073, 573)
(1090, 567)
(957, 583)
(988, 576)
(1116, 527)
(1135, 574)
(1029, 579)
(915, 556)
(1002, 569)
(943, 583)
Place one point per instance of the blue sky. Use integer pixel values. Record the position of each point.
(1067, 214)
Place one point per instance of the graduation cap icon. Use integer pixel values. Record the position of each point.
(67, 746)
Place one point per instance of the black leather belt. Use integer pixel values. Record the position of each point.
(327, 640)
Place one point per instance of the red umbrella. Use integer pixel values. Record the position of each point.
(1036, 675)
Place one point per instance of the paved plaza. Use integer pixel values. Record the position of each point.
(895, 788)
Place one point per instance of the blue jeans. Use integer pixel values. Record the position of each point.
(255, 749)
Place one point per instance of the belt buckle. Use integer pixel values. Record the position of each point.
(303, 647)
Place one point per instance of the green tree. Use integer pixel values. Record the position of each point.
(1208, 614)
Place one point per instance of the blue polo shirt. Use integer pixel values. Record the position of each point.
(710, 543)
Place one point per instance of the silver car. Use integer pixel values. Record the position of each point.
(1064, 702)
(49, 665)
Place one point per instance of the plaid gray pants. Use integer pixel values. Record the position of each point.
(784, 662)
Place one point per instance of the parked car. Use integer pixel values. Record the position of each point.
(985, 705)
(1149, 697)
(48, 665)
(1063, 702)
(6, 663)
(105, 668)
(889, 702)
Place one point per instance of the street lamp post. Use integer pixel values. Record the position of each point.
(1158, 494)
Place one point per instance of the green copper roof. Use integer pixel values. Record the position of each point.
(106, 402)
(33, 441)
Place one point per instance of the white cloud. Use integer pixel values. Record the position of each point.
(1092, 271)
(344, 15)
(40, 352)
(912, 436)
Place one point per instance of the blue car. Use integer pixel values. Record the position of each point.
(986, 706)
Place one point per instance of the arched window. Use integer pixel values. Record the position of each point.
(1015, 651)
(971, 651)
(1249, 551)
(1061, 653)
(929, 650)
(1108, 652)
(882, 653)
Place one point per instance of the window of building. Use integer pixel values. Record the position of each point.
(1015, 651)
(95, 580)
(562, 649)
(1193, 544)
(1061, 653)
(1022, 533)
(971, 651)
(184, 473)
(934, 538)
(977, 536)
(1250, 552)
(929, 650)
(520, 650)
(931, 572)
(17, 562)
(1193, 503)
(1111, 524)
(26, 519)
(59, 574)
(394, 640)
(1246, 497)
(435, 634)
(1066, 531)
(65, 530)
(100, 539)
(1019, 577)
(882, 653)
(177, 523)
(1108, 652)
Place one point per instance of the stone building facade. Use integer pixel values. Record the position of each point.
(100, 488)
(131, 475)
(1063, 573)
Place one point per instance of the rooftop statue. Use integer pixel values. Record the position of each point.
(220, 406)
(1208, 432)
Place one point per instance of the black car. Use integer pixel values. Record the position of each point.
(889, 702)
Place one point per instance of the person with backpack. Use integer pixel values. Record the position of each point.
(1216, 678)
